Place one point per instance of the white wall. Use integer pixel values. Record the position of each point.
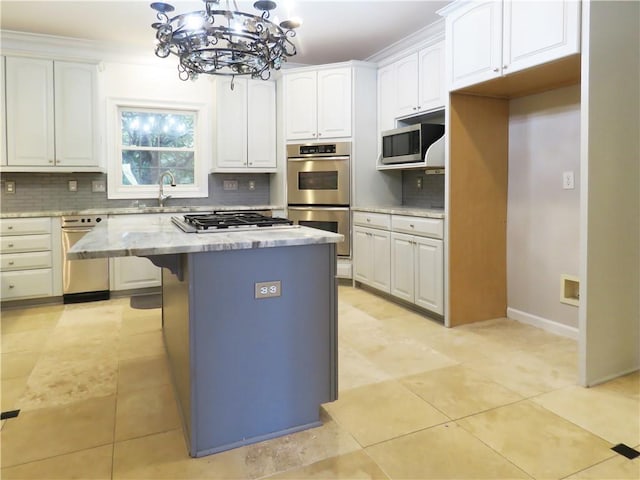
(543, 219)
(610, 236)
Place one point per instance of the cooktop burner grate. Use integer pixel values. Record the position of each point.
(225, 220)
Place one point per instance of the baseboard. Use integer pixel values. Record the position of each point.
(543, 323)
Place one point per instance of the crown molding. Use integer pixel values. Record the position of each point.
(424, 37)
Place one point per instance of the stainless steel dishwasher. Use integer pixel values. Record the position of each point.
(83, 280)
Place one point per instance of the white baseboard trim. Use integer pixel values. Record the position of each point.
(543, 323)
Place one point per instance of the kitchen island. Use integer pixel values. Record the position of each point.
(249, 324)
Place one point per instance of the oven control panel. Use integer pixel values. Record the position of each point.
(306, 149)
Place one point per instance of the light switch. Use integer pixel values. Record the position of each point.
(230, 185)
(10, 186)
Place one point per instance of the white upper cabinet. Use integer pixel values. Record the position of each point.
(245, 126)
(318, 104)
(491, 38)
(51, 113)
(411, 85)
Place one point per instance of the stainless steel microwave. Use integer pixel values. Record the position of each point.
(409, 144)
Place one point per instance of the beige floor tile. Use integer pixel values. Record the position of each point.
(354, 370)
(141, 345)
(18, 364)
(33, 318)
(379, 412)
(143, 372)
(142, 321)
(11, 391)
(356, 465)
(299, 449)
(71, 374)
(44, 433)
(146, 411)
(536, 440)
(26, 341)
(165, 456)
(628, 385)
(459, 391)
(601, 412)
(94, 463)
(442, 452)
(524, 374)
(616, 468)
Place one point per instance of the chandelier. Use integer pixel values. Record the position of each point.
(224, 42)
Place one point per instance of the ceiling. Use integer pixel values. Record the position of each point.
(332, 31)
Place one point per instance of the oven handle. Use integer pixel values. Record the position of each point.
(313, 159)
(319, 208)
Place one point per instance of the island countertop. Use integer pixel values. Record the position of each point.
(146, 235)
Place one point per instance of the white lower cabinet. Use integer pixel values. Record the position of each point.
(401, 255)
(417, 270)
(371, 257)
(28, 258)
(130, 273)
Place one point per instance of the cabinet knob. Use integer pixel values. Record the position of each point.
(50, 161)
(11, 245)
(496, 69)
(10, 262)
(418, 107)
(504, 67)
(10, 227)
(11, 285)
(411, 225)
(368, 219)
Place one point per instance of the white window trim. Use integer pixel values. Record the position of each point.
(115, 188)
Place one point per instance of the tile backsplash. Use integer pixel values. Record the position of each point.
(50, 192)
(431, 195)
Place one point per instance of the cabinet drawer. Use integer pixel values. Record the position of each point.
(25, 261)
(25, 243)
(426, 227)
(376, 220)
(26, 283)
(25, 226)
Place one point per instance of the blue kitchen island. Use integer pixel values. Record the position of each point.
(249, 324)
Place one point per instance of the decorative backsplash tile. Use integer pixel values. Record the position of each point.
(45, 191)
(431, 195)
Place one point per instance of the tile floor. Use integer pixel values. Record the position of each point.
(494, 400)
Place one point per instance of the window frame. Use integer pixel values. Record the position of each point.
(202, 150)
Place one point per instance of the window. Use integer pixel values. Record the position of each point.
(150, 140)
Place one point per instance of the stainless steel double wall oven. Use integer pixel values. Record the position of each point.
(319, 188)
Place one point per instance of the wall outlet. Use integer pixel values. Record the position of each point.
(268, 289)
(10, 186)
(419, 183)
(252, 185)
(568, 181)
(73, 185)
(98, 186)
(230, 185)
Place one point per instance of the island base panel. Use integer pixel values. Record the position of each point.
(258, 368)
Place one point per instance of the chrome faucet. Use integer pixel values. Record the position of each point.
(161, 196)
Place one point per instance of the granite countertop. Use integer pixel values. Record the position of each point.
(139, 210)
(402, 210)
(157, 235)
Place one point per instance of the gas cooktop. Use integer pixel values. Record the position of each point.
(228, 221)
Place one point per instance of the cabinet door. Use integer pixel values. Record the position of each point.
(3, 112)
(261, 124)
(362, 255)
(30, 127)
(334, 103)
(402, 268)
(300, 105)
(431, 91)
(231, 117)
(386, 99)
(539, 32)
(128, 273)
(407, 85)
(381, 260)
(474, 43)
(429, 280)
(75, 114)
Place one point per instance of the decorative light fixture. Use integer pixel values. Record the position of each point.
(224, 42)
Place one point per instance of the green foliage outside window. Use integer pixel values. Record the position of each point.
(153, 142)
